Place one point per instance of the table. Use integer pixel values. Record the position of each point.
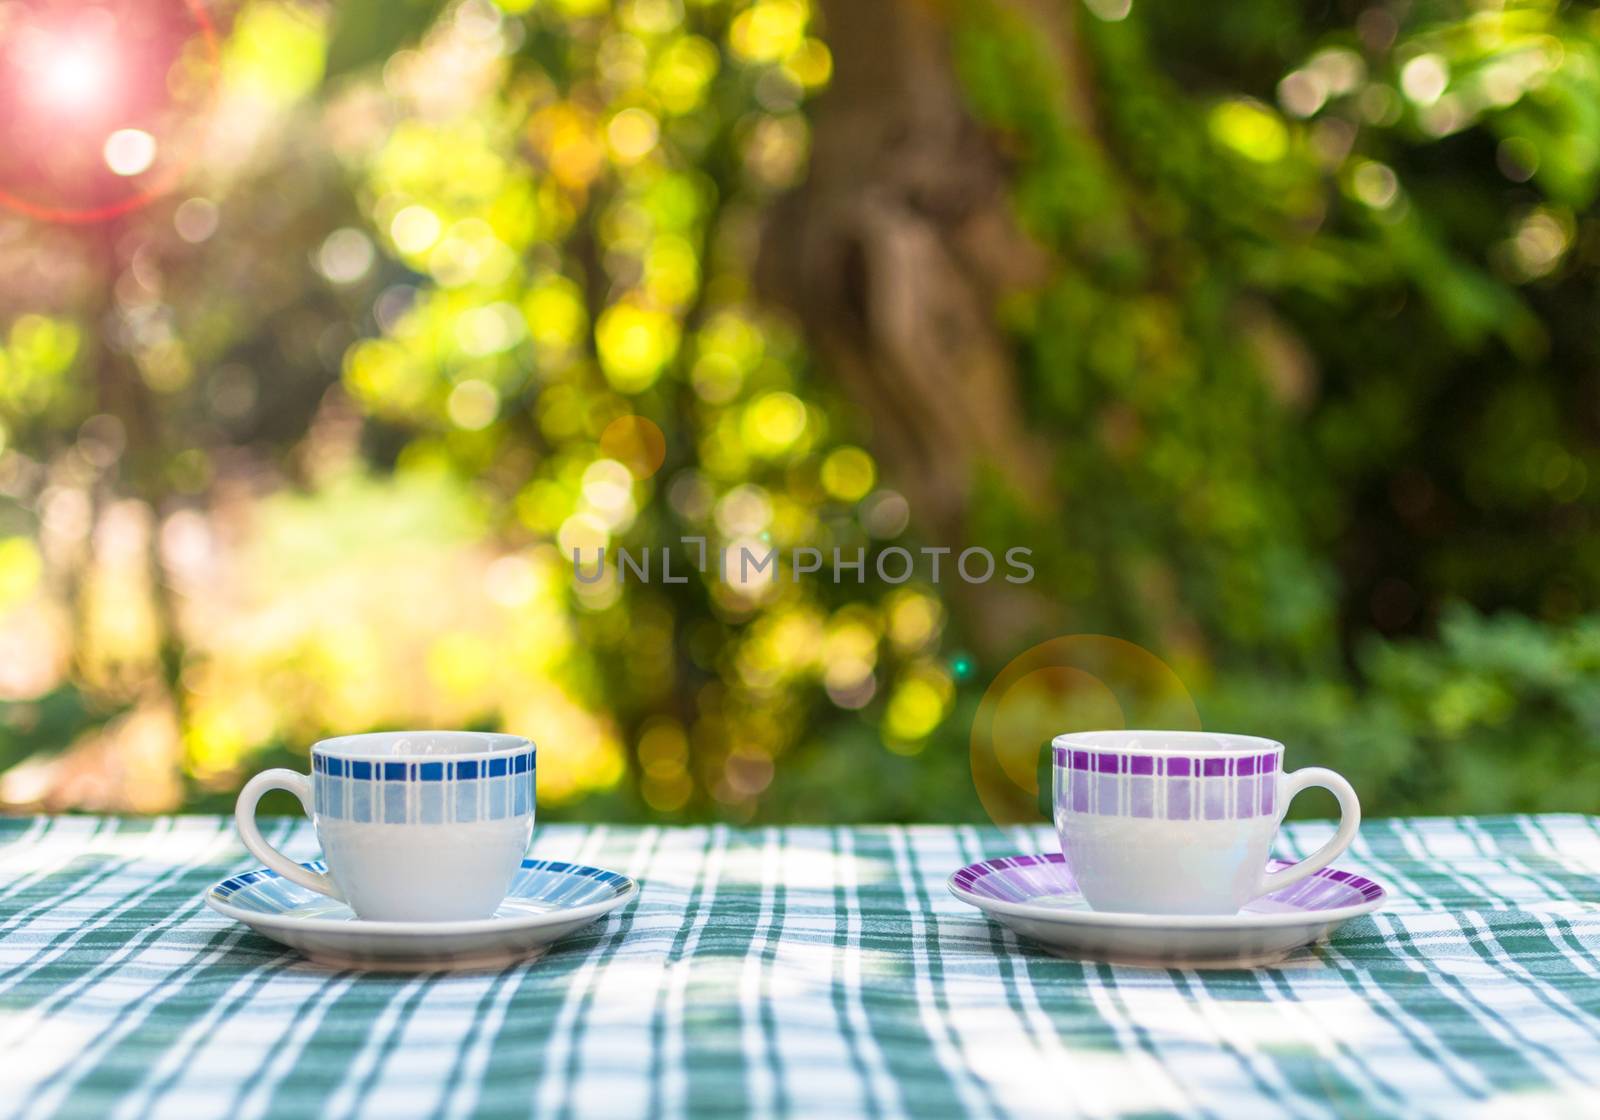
(799, 971)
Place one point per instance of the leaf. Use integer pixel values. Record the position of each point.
(368, 31)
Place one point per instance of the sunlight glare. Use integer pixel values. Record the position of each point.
(72, 75)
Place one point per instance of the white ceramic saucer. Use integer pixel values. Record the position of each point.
(548, 900)
(1037, 897)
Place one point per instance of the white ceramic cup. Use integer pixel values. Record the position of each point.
(1182, 822)
(415, 826)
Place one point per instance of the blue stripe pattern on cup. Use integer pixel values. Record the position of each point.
(446, 791)
(1166, 786)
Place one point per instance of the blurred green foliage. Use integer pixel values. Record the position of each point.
(1498, 711)
(305, 446)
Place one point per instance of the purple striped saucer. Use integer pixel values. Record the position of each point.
(1036, 896)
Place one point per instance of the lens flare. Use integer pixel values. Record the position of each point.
(1079, 682)
(101, 105)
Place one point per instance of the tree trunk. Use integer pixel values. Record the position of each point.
(894, 254)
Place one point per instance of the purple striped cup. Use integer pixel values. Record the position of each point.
(1182, 822)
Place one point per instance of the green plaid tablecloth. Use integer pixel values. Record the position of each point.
(799, 971)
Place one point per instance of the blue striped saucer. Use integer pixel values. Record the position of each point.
(548, 900)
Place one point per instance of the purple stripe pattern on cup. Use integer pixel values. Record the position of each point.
(1166, 786)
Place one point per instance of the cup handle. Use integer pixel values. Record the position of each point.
(244, 816)
(1349, 822)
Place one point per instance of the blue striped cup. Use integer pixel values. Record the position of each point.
(415, 826)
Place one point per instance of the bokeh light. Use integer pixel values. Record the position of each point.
(130, 151)
(636, 442)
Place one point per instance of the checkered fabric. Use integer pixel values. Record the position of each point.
(799, 971)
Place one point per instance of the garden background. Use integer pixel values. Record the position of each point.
(328, 330)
